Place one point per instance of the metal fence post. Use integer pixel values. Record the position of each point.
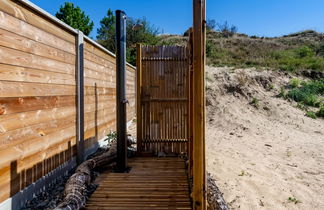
(121, 90)
(80, 98)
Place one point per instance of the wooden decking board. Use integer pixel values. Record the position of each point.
(153, 183)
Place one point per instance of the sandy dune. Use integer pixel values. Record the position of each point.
(260, 156)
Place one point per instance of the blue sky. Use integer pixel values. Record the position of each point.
(253, 17)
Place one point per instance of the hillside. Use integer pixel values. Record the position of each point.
(262, 150)
(300, 52)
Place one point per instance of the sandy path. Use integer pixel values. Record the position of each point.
(262, 156)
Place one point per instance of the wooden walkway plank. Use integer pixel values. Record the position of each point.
(152, 183)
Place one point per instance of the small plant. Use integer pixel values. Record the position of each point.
(255, 102)
(242, 78)
(283, 92)
(271, 86)
(294, 200)
(311, 114)
(112, 136)
(209, 78)
(295, 82)
(301, 106)
(306, 94)
(242, 173)
(305, 51)
(312, 100)
(309, 93)
(320, 112)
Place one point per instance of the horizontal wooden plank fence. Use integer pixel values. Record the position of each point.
(38, 92)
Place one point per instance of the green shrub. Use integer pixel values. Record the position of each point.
(304, 51)
(301, 106)
(320, 50)
(295, 82)
(306, 93)
(311, 114)
(283, 92)
(320, 112)
(294, 200)
(271, 86)
(255, 102)
(312, 100)
(112, 136)
(296, 59)
(309, 92)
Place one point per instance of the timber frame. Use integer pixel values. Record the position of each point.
(198, 104)
(92, 69)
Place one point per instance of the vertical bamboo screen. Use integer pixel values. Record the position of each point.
(164, 99)
(38, 95)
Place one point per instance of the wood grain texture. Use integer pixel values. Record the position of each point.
(19, 58)
(163, 99)
(20, 27)
(24, 89)
(152, 183)
(15, 73)
(18, 11)
(17, 42)
(199, 56)
(139, 120)
(38, 96)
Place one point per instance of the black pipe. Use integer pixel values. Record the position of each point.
(121, 90)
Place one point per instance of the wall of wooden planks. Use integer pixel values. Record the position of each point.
(38, 95)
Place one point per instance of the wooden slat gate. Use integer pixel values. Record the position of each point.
(163, 100)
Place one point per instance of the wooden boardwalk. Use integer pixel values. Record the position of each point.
(152, 183)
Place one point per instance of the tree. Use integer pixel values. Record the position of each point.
(226, 29)
(146, 34)
(107, 31)
(75, 17)
(211, 24)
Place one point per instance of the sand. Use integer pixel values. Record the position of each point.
(262, 155)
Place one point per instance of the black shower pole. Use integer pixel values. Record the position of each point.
(121, 90)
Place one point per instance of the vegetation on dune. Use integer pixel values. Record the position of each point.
(295, 53)
(75, 17)
(283, 53)
(307, 94)
(320, 112)
(295, 59)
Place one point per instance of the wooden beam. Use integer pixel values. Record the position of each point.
(198, 156)
(190, 110)
(139, 136)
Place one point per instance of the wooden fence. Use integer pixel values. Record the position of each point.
(38, 91)
(163, 115)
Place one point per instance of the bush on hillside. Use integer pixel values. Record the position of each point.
(300, 58)
(309, 93)
(320, 112)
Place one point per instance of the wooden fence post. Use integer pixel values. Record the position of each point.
(80, 98)
(139, 136)
(199, 172)
(190, 111)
